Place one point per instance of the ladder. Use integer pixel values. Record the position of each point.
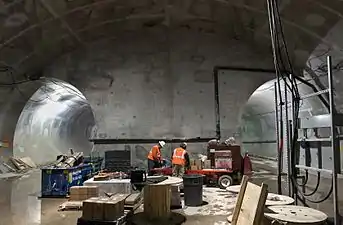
(332, 120)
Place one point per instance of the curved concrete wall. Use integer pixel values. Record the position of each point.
(56, 118)
(154, 85)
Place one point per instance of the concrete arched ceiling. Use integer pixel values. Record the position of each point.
(34, 32)
(56, 118)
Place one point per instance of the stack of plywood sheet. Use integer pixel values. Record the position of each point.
(132, 201)
(80, 193)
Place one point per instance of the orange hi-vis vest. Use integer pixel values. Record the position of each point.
(155, 153)
(179, 157)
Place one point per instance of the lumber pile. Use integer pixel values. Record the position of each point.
(20, 164)
(131, 201)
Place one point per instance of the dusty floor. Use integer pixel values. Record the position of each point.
(19, 204)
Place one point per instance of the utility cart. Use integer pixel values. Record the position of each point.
(227, 166)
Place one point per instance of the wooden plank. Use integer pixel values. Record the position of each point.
(28, 161)
(70, 206)
(239, 201)
(251, 211)
(113, 209)
(135, 206)
(259, 215)
(250, 204)
(133, 199)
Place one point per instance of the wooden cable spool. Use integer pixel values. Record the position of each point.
(157, 201)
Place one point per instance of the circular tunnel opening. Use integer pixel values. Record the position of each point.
(56, 118)
(258, 130)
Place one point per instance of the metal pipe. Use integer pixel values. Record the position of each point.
(99, 141)
(260, 142)
(335, 150)
(216, 102)
(287, 140)
(236, 68)
(313, 169)
(281, 126)
(293, 185)
(279, 170)
(322, 99)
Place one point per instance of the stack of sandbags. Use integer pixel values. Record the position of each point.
(81, 193)
(103, 209)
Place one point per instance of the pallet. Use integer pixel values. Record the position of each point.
(70, 206)
(132, 202)
(121, 221)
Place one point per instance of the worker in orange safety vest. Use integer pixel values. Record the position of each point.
(154, 157)
(180, 160)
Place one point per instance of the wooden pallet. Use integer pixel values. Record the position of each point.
(70, 206)
(121, 221)
(132, 202)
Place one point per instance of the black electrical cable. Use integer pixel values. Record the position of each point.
(297, 109)
(316, 187)
(277, 51)
(310, 200)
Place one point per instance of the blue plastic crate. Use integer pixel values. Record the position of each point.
(56, 182)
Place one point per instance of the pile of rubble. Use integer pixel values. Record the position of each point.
(67, 161)
(17, 165)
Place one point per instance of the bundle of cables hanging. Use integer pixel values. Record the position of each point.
(285, 73)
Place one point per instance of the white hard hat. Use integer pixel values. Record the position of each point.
(162, 143)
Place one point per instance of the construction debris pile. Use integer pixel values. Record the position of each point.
(108, 176)
(67, 161)
(17, 165)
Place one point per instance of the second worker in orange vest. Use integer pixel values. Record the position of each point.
(180, 160)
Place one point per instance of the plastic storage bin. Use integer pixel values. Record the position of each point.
(56, 182)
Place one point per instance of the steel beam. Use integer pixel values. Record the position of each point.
(334, 145)
(101, 141)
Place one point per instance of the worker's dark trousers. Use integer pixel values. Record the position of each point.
(151, 165)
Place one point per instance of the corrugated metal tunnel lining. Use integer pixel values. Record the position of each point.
(56, 118)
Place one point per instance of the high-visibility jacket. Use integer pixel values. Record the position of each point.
(179, 157)
(155, 154)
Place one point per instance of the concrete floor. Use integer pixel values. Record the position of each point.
(19, 204)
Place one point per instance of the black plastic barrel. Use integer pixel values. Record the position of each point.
(192, 189)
